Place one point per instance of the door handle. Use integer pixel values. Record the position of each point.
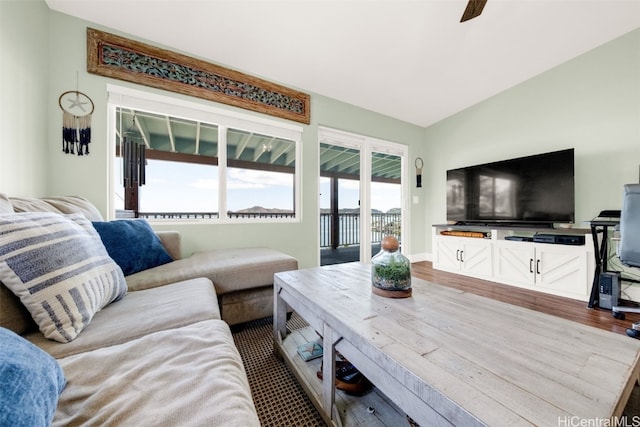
(457, 254)
(530, 265)
(537, 266)
(461, 256)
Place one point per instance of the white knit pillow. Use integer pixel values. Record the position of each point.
(58, 267)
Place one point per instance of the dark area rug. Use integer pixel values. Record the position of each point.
(279, 399)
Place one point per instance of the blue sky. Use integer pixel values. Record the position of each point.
(194, 189)
(383, 196)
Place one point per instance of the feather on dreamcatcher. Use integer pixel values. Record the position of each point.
(76, 122)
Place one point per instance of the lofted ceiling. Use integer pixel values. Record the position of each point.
(411, 60)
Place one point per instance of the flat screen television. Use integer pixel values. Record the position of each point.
(534, 190)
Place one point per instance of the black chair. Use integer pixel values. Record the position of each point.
(629, 250)
(629, 245)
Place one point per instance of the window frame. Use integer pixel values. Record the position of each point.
(118, 96)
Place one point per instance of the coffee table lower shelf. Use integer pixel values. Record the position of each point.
(354, 411)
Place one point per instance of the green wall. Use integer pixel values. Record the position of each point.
(591, 104)
(24, 96)
(65, 45)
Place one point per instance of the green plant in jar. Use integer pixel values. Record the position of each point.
(391, 271)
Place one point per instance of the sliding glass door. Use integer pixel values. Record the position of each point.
(361, 195)
(339, 204)
(386, 198)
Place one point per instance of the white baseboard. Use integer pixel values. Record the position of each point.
(420, 257)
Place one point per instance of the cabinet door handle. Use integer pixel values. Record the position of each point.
(530, 265)
(537, 266)
(457, 254)
(461, 256)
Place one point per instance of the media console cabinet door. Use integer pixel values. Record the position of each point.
(467, 255)
(514, 263)
(563, 269)
(447, 254)
(476, 257)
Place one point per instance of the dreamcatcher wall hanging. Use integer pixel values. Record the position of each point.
(76, 122)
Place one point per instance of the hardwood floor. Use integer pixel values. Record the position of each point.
(566, 308)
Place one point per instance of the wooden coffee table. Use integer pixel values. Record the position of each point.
(446, 357)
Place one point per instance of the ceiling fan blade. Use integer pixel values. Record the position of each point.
(474, 8)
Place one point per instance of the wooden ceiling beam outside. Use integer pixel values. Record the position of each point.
(356, 177)
(172, 140)
(198, 128)
(142, 130)
(242, 145)
(341, 160)
(262, 148)
(282, 149)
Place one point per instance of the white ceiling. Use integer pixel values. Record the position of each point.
(411, 60)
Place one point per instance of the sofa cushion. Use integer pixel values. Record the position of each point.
(59, 268)
(132, 244)
(31, 381)
(188, 376)
(229, 269)
(13, 315)
(172, 242)
(61, 204)
(141, 313)
(249, 304)
(5, 204)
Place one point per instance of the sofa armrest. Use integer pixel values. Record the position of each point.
(171, 241)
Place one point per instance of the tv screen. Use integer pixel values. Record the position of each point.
(536, 189)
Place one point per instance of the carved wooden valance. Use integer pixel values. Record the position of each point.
(114, 56)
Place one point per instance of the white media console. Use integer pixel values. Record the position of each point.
(558, 269)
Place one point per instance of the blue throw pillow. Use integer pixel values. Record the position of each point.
(132, 244)
(30, 382)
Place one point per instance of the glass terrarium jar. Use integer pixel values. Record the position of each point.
(390, 271)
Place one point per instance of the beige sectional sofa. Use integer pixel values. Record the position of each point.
(162, 354)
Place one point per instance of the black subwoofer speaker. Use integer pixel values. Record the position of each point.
(609, 290)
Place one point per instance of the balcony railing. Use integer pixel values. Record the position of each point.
(178, 215)
(382, 224)
(204, 215)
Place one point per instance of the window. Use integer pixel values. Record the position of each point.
(201, 163)
(260, 175)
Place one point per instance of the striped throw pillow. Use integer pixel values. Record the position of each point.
(58, 267)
